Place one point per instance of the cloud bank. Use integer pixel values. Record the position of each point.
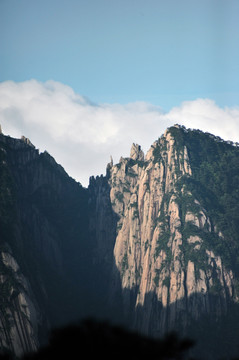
(82, 135)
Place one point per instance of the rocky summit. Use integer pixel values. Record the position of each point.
(153, 245)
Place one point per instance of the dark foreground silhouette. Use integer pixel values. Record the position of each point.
(94, 339)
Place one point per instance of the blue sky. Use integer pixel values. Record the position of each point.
(159, 51)
(92, 76)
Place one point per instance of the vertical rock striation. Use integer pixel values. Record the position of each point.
(43, 247)
(166, 266)
(153, 244)
(19, 313)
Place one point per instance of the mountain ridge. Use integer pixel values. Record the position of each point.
(174, 250)
(152, 244)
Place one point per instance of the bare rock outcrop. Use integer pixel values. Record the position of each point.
(160, 249)
(19, 317)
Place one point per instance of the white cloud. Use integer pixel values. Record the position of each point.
(79, 134)
(82, 135)
(205, 115)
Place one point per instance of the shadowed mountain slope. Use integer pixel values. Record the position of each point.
(152, 245)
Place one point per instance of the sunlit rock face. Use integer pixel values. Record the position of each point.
(152, 245)
(165, 260)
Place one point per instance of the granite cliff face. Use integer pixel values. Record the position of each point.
(18, 320)
(43, 214)
(153, 244)
(173, 265)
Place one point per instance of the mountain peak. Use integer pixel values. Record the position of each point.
(27, 141)
(136, 153)
(158, 236)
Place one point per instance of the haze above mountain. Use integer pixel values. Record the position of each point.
(63, 122)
